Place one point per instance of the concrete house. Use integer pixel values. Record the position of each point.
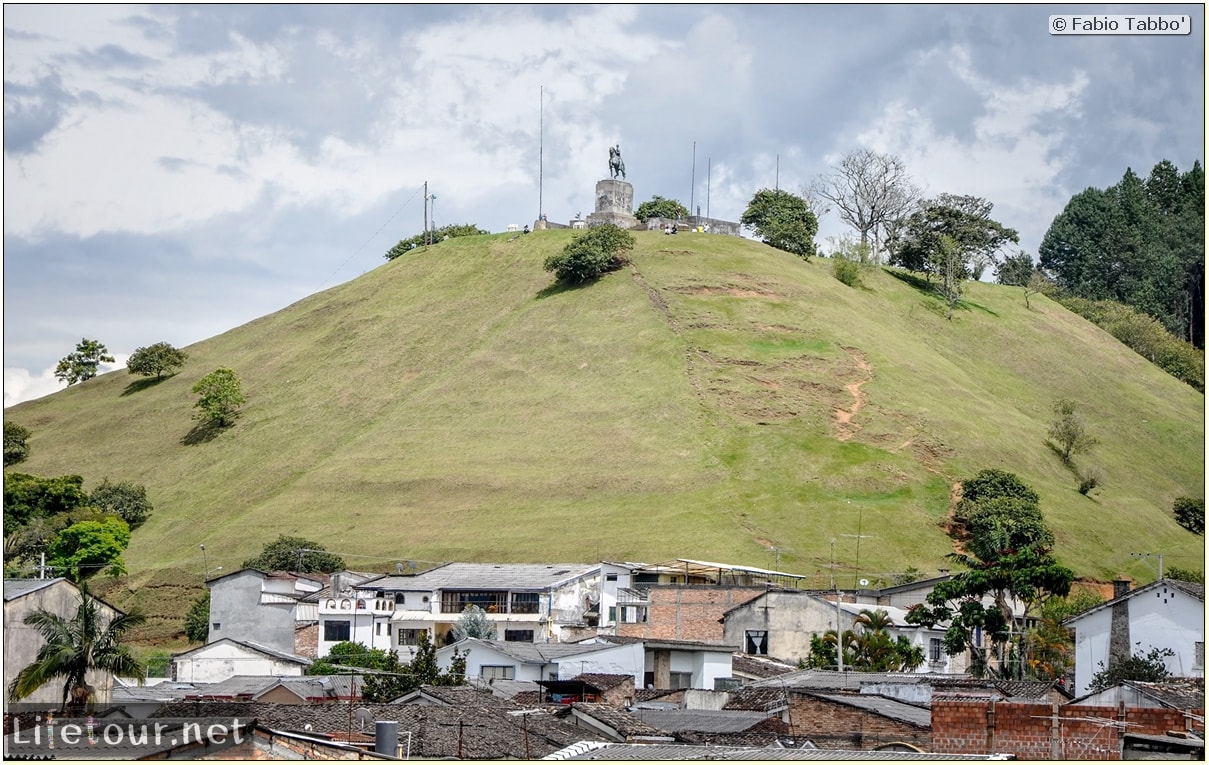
(1166, 614)
(527, 602)
(23, 597)
(259, 606)
(676, 664)
(780, 623)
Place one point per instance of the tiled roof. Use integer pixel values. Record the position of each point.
(1175, 692)
(623, 722)
(757, 700)
(538, 653)
(759, 666)
(700, 720)
(249, 645)
(1194, 590)
(674, 645)
(652, 694)
(469, 732)
(601, 681)
(880, 705)
(655, 752)
(823, 679)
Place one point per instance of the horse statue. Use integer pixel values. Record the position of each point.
(616, 165)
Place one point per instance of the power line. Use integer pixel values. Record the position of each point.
(365, 244)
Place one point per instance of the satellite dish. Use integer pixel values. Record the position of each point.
(864, 583)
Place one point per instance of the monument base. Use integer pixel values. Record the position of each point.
(614, 204)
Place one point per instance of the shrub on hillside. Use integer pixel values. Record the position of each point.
(436, 235)
(1190, 513)
(592, 254)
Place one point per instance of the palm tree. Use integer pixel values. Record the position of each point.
(74, 648)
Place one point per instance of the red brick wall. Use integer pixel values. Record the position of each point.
(306, 641)
(1028, 730)
(830, 725)
(688, 612)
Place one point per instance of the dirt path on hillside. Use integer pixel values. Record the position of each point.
(845, 428)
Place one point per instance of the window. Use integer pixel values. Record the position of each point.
(455, 601)
(524, 602)
(936, 650)
(378, 628)
(409, 637)
(1198, 659)
(217, 626)
(610, 577)
(682, 680)
(518, 636)
(612, 613)
(336, 632)
(757, 642)
(495, 672)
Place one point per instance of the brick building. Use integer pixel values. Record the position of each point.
(686, 611)
(1049, 731)
(857, 721)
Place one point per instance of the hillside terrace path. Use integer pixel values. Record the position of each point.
(843, 417)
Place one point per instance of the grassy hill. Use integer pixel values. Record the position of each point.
(717, 400)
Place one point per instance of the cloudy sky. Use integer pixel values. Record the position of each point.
(172, 172)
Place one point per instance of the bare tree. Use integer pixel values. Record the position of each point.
(871, 191)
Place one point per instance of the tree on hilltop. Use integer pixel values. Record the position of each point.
(296, 554)
(433, 236)
(782, 220)
(872, 193)
(658, 207)
(82, 364)
(220, 397)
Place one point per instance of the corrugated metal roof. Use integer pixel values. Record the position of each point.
(486, 576)
(16, 588)
(895, 710)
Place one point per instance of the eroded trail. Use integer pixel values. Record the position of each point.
(844, 426)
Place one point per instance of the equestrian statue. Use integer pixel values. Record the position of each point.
(616, 165)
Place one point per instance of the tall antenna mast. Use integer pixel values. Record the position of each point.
(541, 134)
(709, 170)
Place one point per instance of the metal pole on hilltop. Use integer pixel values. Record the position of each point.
(693, 182)
(541, 133)
(778, 176)
(426, 212)
(205, 562)
(709, 169)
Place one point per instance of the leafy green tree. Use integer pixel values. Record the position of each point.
(966, 221)
(782, 220)
(16, 443)
(220, 397)
(82, 549)
(473, 623)
(421, 670)
(1180, 574)
(197, 621)
(74, 647)
(347, 654)
(1015, 270)
(658, 207)
(590, 255)
(1069, 432)
(30, 496)
(125, 499)
(1047, 649)
(1190, 513)
(158, 360)
(1149, 668)
(27, 542)
(296, 554)
(82, 364)
(993, 483)
(1007, 556)
(434, 236)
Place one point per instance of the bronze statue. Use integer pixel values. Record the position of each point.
(616, 166)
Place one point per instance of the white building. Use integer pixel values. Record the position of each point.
(489, 660)
(1166, 614)
(226, 658)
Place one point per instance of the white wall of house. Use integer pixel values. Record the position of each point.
(1160, 616)
(361, 620)
(484, 662)
(216, 662)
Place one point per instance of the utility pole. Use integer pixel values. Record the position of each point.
(1151, 555)
(426, 212)
(859, 536)
(205, 562)
(778, 176)
(709, 169)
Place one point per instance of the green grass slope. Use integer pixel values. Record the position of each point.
(716, 400)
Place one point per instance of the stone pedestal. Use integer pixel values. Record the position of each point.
(614, 204)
